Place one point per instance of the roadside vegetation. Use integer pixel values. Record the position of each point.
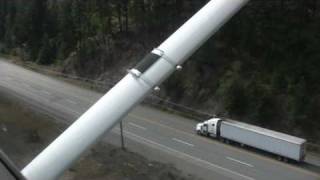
(262, 67)
(25, 132)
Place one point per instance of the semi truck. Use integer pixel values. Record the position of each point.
(284, 146)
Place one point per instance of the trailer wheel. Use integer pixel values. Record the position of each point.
(227, 141)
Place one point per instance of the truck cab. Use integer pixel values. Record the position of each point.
(209, 127)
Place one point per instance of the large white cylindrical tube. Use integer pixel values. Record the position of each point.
(131, 90)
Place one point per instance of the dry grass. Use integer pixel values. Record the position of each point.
(23, 133)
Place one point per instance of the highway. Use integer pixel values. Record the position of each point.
(152, 133)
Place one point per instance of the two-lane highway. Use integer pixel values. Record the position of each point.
(152, 133)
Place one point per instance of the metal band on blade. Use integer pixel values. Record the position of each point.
(147, 62)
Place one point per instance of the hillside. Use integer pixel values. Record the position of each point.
(29, 132)
(262, 67)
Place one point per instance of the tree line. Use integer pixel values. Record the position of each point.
(262, 67)
(51, 29)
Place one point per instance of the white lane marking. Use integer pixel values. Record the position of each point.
(45, 92)
(276, 163)
(74, 112)
(238, 161)
(4, 128)
(70, 101)
(6, 79)
(184, 154)
(137, 126)
(183, 142)
(69, 109)
(26, 85)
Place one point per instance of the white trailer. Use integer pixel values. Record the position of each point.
(280, 144)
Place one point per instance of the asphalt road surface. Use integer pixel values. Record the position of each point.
(155, 134)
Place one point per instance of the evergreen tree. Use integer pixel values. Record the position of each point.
(263, 66)
(10, 24)
(3, 15)
(66, 37)
(38, 11)
(47, 51)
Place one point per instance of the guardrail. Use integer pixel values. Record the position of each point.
(151, 100)
(313, 147)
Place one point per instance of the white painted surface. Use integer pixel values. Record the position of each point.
(205, 163)
(238, 161)
(71, 101)
(45, 92)
(183, 142)
(137, 126)
(263, 139)
(26, 85)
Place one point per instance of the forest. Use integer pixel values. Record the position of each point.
(262, 67)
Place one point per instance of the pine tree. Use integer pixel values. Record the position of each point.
(67, 36)
(9, 25)
(37, 18)
(47, 51)
(3, 14)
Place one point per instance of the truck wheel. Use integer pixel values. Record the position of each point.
(227, 141)
(285, 159)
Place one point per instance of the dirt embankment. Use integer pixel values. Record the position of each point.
(24, 133)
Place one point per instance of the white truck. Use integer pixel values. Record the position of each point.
(285, 146)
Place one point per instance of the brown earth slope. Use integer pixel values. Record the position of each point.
(24, 133)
